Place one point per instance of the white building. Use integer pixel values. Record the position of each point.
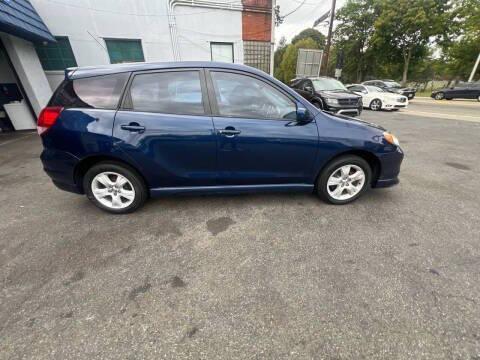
(40, 38)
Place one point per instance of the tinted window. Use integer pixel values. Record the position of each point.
(124, 50)
(100, 92)
(244, 96)
(177, 92)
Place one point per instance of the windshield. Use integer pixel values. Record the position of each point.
(328, 84)
(392, 84)
(373, 88)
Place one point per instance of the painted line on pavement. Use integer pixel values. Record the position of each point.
(468, 118)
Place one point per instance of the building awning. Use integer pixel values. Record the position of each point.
(19, 18)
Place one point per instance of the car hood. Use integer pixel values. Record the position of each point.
(356, 121)
(335, 94)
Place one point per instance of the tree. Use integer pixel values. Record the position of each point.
(288, 65)
(313, 34)
(353, 35)
(406, 25)
(461, 53)
(278, 56)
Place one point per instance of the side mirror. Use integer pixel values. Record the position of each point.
(364, 92)
(303, 115)
(309, 89)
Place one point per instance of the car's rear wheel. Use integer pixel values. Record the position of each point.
(115, 188)
(439, 96)
(376, 104)
(317, 104)
(344, 180)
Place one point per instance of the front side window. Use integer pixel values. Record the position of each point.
(56, 56)
(124, 50)
(247, 97)
(99, 92)
(177, 92)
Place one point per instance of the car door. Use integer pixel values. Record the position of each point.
(259, 139)
(460, 91)
(165, 127)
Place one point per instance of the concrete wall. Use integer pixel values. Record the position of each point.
(88, 22)
(29, 70)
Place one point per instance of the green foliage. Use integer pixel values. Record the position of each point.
(404, 26)
(286, 71)
(313, 34)
(354, 35)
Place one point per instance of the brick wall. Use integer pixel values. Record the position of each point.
(256, 26)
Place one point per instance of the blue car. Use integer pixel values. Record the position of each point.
(123, 133)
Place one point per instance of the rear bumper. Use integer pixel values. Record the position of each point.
(60, 167)
(390, 164)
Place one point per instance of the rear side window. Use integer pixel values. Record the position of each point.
(99, 92)
(177, 92)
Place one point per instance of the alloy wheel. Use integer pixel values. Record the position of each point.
(376, 105)
(346, 182)
(113, 190)
(439, 96)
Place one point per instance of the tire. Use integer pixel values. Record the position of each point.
(439, 96)
(478, 98)
(375, 105)
(109, 195)
(326, 189)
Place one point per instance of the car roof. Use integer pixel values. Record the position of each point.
(88, 71)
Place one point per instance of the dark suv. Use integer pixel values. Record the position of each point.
(123, 133)
(328, 94)
(393, 87)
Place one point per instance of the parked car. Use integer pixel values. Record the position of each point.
(123, 133)
(393, 87)
(376, 99)
(460, 91)
(328, 94)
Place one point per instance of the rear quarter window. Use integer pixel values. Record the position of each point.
(99, 92)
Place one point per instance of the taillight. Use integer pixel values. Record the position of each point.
(47, 118)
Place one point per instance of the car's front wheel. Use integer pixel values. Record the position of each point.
(478, 98)
(344, 180)
(115, 187)
(376, 104)
(439, 96)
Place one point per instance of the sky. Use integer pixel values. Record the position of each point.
(303, 17)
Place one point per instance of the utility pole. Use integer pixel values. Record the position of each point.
(329, 38)
(474, 70)
(272, 40)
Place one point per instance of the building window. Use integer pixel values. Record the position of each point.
(222, 51)
(257, 54)
(123, 50)
(56, 56)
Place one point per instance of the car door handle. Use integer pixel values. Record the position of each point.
(229, 132)
(133, 127)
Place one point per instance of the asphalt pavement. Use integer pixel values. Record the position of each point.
(394, 275)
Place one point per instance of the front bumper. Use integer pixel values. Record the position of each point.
(390, 164)
(352, 111)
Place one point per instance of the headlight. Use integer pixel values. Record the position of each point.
(331, 101)
(390, 138)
